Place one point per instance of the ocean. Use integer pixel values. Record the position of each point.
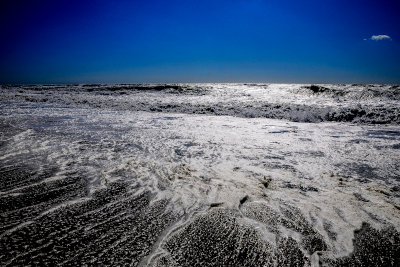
(200, 174)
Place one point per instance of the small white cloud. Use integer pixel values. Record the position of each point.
(380, 37)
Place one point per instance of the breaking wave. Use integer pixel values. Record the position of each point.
(366, 104)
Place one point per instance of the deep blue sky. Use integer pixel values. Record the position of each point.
(199, 41)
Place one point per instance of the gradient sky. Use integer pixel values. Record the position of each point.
(325, 41)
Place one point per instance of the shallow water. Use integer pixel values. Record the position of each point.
(230, 174)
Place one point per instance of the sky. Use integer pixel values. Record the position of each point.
(277, 41)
